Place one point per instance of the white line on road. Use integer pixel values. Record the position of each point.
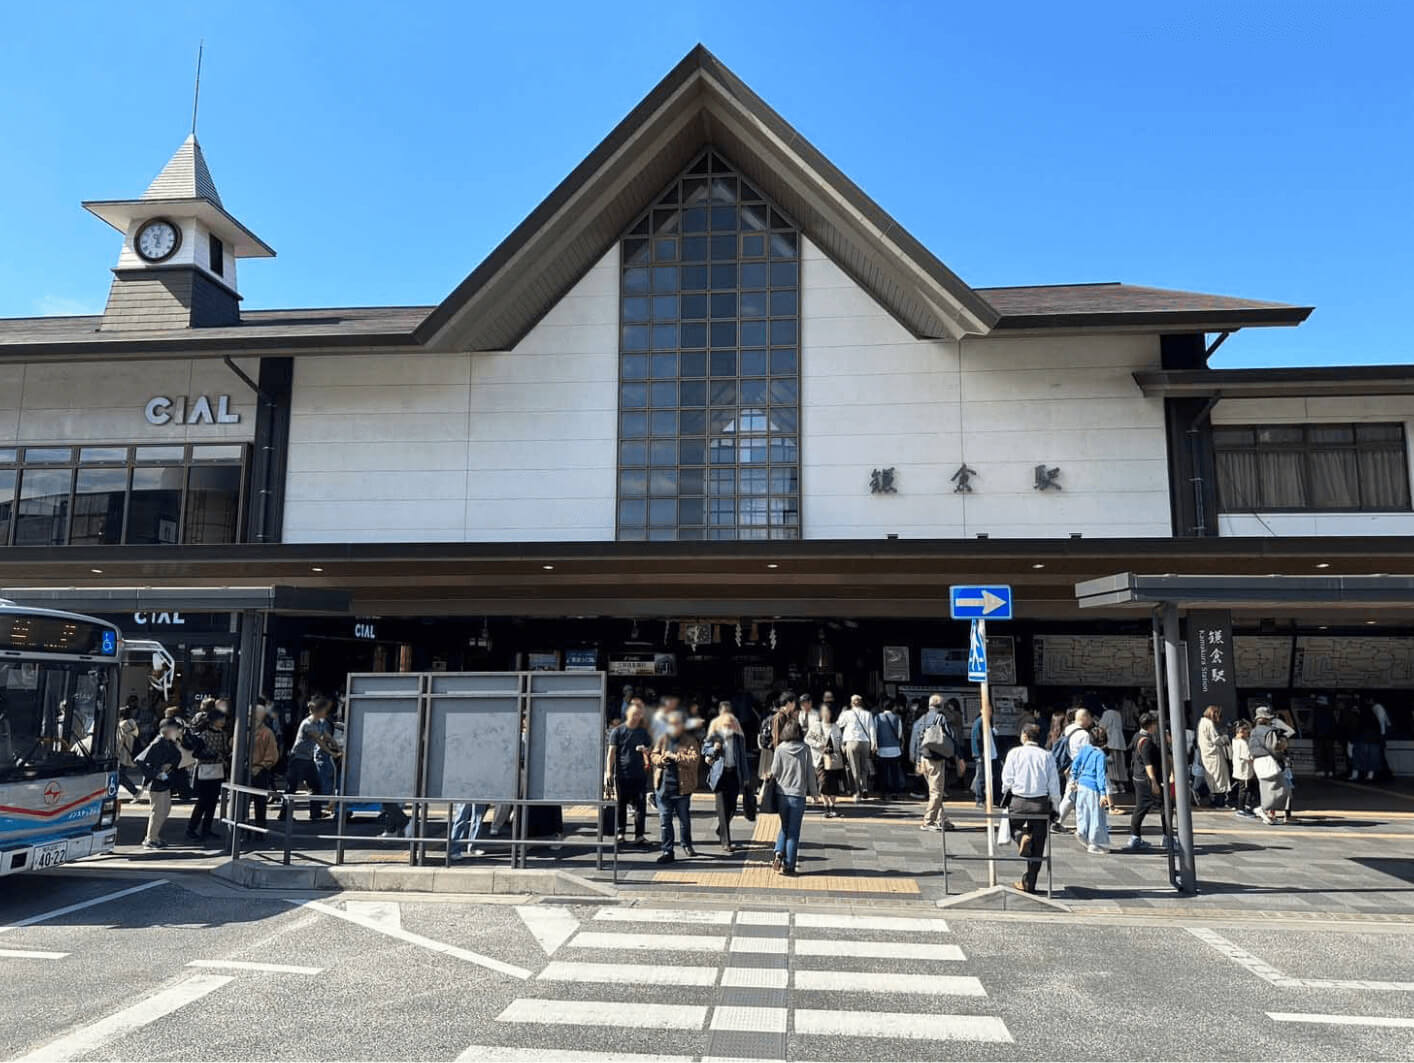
(827, 921)
(905, 1025)
(763, 918)
(88, 1038)
(761, 946)
(29, 954)
(749, 1020)
(1240, 956)
(44, 916)
(496, 1054)
(415, 939)
(1268, 973)
(590, 939)
(605, 1013)
(937, 985)
(1339, 1020)
(879, 950)
(754, 977)
(662, 915)
(626, 974)
(250, 965)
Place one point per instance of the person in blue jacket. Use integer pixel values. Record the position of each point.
(1089, 779)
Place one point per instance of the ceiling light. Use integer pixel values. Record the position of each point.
(1038, 564)
(548, 568)
(315, 568)
(96, 571)
(772, 564)
(1323, 564)
(1372, 621)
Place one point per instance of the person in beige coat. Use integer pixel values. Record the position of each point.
(1215, 750)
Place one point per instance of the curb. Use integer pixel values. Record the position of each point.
(548, 883)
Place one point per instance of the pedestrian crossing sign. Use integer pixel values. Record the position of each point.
(976, 657)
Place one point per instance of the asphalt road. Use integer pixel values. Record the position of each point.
(161, 973)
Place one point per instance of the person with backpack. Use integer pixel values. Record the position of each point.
(1147, 767)
(159, 763)
(935, 746)
(861, 740)
(888, 731)
(1076, 735)
(127, 741)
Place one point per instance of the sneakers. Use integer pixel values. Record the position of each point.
(159, 844)
(665, 858)
(1096, 849)
(689, 852)
(467, 854)
(932, 826)
(1136, 844)
(1266, 817)
(778, 865)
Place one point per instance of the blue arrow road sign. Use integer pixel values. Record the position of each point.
(981, 603)
(976, 657)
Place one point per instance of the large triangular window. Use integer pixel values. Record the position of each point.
(709, 364)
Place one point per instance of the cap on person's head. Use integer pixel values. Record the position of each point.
(1263, 712)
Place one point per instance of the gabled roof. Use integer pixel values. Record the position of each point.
(185, 176)
(699, 103)
(1112, 304)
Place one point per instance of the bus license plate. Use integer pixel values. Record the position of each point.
(50, 855)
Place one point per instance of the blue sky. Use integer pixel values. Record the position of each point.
(1263, 149)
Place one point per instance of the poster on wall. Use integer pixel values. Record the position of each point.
(951, 662)
(936, 660)
(542, 662)
(581, 660)
(896, 664)
(644, 664)
(1093, 660)
(1212, 677)
(1337, 662)
(1262, 660)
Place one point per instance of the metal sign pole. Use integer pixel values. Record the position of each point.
(986, 693)
(1187, 874)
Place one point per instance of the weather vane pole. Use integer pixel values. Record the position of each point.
(196, 92)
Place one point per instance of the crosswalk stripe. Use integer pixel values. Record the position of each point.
(662, 915)
(763, 918)
(627, 974)
(878, 950)
(938, 985)
(497, 1054)
(30, 954)
(754, 977)
(249, 965)
(602, 1013)
(589, 939)
(1339, 1020)
(751, 1020)
(761, 946)
(829, 921)
(880, 1024)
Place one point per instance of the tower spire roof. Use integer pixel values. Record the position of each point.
(186, 176)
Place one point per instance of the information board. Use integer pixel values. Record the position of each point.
(1093, 660)
(1354, 662)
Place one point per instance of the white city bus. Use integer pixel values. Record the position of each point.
(58, 722)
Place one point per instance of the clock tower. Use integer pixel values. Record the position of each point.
(177, 268)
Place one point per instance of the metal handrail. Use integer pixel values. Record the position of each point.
(518, 844)
(988, 819)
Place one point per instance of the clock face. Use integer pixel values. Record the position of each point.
(158, 240)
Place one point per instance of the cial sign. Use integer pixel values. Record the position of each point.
(980, 603)
(365, 629)
(200, 409)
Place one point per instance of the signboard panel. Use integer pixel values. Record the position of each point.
(469, 736)
(1263, 660)
(980, 603)
(1352, 662)
(1212, 675)
(382, 734)
(565, 754)
(1093, 660)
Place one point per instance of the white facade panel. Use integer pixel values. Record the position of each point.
(503, 446)
(873, 396)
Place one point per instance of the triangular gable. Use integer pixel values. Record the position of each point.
(700, 103)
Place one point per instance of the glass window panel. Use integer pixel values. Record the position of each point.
(752, 450)
(7, 502)
(703, 164)
(723, 190)
(1331, 433)
(782, 331)
(42, 513)
(752, 510)
(783, 245)
(1233, 437)
(160, 453)
(213, 504)
(724, 304)
(782, 449)
(662, 511)
(783, 391)
(635, 337)
(752, 481)
(692, 451)
(633, 454)
(724, 334)
(631, 534)
(663, 482)
(747, 192)
(693, 393)
(636, 252)
(779, 220)
(689, 511)
(753, 274)
(663, 452)
(665, 422)
(784, 481)
(753, 217)
(724, 248)
(633, 483)
(633, 396)
(721, 510)
(694, 220)
(670, 196)
(690, 481)
(665, 249)
(97, 455)
(722, 482)
(753, 391)
(1283, 478)
(664, 393)
(751, 421)
(694, 306)
(99, 496)
(155, 506)
(665, 307)
(694, 278)
(783, 361)
(662, 535)
(1384, 477)
(635, 309)
(693, 364)
(665, 337)
(724, 221)
(753, 304)
(694, 190)
(632, 511)
(724, 363)
(635, 281)
(753, 245)
(48, 455)
(784, 303)
(724, 275)
(633, 367)
(633, 425)
(227, 452)
(1280, 434)
(1379, 433)
(665, 278)
(723, 451)
(1334, 478)
(783, 419)
(694, 248)
(784, 274)
(666, 221)
(641, 229)
(753, 333)
(693, 334)
(723, 393)
(753, 363)
(8, 455)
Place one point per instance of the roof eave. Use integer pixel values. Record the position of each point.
(1159, 320)
(119, 212)
(1283, 382)
(188, 342)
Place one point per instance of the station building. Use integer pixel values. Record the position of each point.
(708, 419)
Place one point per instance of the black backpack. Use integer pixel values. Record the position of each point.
(763, 736)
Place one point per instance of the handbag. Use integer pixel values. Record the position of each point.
(748, 804)
(767, 805)
(833, 760)
(1267, 768)
(1004, 829)
(210, 771)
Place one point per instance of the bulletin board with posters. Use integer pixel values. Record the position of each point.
(1093, 660)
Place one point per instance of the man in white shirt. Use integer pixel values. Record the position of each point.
(1030, 777)
(860, 742)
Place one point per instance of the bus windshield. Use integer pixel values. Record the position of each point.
(53, 718)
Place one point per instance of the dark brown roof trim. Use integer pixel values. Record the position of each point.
(1284, 381)
(1165, 320)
